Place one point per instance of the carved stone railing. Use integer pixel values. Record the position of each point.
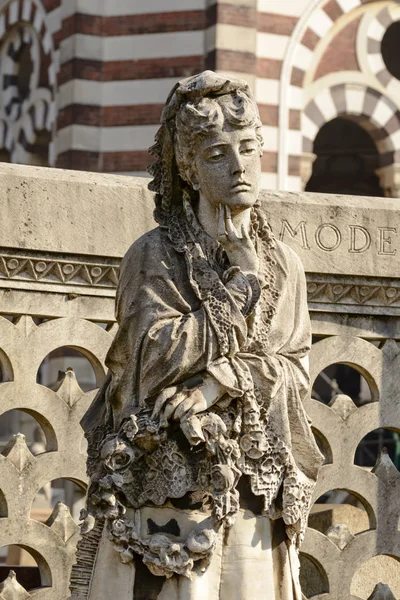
(63, 235)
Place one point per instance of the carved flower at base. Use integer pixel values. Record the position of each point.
(251, 417)
(119, 529)
(116, 454)
(202, 539)
(130, 427)
(171, 555)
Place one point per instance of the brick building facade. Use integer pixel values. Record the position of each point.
(84, 81)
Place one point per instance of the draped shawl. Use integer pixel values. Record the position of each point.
(181, 315)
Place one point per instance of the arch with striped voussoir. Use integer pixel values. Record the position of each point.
(375, 34)
(314, 25)
(378, 115)
(27, 83)
(317, 25)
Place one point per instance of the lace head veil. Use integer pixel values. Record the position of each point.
(194, 107)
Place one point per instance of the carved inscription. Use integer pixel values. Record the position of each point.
(357, 239)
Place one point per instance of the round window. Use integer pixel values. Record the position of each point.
(390, 49)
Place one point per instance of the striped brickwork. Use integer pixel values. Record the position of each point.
(28, 109)
(118, 62)
(275, 26)
(110, 66)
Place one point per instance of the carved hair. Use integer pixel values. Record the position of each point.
(195, 108)
(200, 118)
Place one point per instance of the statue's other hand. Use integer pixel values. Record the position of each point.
(161, 401)
(183, 404)
(186, 402)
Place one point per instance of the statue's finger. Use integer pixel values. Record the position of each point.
(221, 221)
(229, 226)
(194, 410)
(183, 408)
(161, 400)
(171, 405)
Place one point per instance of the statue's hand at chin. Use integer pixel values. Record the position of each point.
(240, 250)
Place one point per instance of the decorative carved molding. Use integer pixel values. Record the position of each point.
(324, 291)
(43, 268)
(363, 293)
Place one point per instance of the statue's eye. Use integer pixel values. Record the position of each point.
(217, 156)
(248, 150)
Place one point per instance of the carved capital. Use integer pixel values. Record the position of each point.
(390, 180)
(306, 164)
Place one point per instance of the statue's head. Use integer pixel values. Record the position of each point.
(209, 144)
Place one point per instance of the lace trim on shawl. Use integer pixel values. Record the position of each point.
(206, 263)
(264, 457)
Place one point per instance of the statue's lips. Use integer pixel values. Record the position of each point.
(242, 186)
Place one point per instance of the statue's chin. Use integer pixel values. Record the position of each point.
(240, 201)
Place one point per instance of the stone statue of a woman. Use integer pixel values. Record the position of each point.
(201, 458)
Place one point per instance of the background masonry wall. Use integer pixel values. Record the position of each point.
(83, 83)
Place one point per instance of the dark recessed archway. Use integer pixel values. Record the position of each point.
(346, 160)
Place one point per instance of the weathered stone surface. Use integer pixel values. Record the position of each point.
(61, 522)
(340, 535)
(89, 209)
(343, 406)
(18, 453)
(68, 388)
(337, 234)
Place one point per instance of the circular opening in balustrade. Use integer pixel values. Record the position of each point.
(313, 579)
(30, 568)
(340, 379)
(70, 493)
(55, 364)
(340, 507)
(39, 435)
(372, 445)
(390, 49)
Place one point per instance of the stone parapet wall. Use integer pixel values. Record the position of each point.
(63, 234)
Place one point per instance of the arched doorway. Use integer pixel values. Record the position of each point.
(346, 160)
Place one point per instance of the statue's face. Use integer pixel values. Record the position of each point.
(227, 168)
